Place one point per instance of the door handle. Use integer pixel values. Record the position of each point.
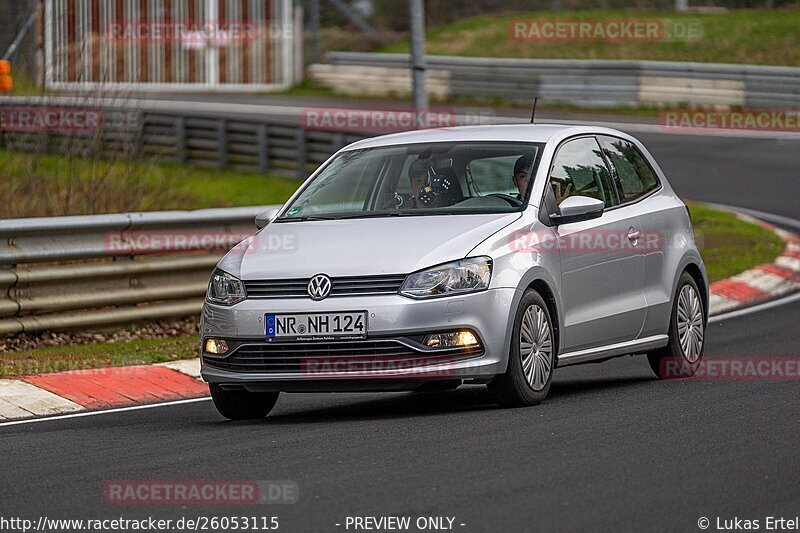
(633, 235)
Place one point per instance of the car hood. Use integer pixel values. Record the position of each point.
(355, 247)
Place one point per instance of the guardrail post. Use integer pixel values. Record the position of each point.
(302, 155)
(222, 135)
(139, 138)
(43, 142)
(337, 142)
(180, 135)
(262, 141)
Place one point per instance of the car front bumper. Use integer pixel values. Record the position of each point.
(391, 317)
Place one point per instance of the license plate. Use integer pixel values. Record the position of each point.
(316, 326)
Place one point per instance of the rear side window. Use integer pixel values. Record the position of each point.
(636, 178)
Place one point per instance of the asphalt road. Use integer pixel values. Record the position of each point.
(611, 448)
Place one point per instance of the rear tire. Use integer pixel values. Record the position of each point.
(681, 357)
(531, 360)
(240, 404)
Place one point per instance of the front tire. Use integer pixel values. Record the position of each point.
(532, 356)
(681, 357)
(240, 404)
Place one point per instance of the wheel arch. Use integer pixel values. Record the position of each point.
(542, 281)
(547, 294)
(693, 269)
(692, 263)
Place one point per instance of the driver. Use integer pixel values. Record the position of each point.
(522, 174)
(430, 189)
(418, 175)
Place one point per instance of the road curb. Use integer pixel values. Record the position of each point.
(85, 390)
(103, 388)
(760, 283)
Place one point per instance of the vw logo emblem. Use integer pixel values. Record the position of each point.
(319, 287)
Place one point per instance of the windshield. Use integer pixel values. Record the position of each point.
(420, 179)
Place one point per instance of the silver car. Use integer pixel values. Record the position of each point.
(478, 255)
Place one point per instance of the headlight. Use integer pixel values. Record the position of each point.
(224, 289)
(458, 277)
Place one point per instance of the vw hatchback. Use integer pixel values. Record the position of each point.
(481, 255)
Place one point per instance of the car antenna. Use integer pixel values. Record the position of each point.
(533, 111)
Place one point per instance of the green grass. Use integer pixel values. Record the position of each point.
(730, 245)
(60, 185)
(226, 188)
(97, 355)
(742, 36)
(24, 85)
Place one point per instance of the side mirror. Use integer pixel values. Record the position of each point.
(577, 209)
(262, 219)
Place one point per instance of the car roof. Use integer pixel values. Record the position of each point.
(539, 133)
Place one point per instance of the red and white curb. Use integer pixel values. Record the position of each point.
(90, 390)
(103, 388)
(761, 283)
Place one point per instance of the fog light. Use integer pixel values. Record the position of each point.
(453, 339)
(216, 346)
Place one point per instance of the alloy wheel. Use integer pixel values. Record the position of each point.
(536, 347)
(690, 323)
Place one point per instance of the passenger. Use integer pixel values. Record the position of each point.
(522, 174)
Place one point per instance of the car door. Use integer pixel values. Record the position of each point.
(602, 266)
(636, 183)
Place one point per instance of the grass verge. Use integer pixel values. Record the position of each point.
(54, 185)
(728, 246)
(97, 355)
(761, 37)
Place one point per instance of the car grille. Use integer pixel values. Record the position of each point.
(347, 286)
(295, 358)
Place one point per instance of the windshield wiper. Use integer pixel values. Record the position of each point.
(371, 214)
(381, 214)
(303, 218)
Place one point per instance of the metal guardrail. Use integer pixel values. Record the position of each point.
(102, 270)
(201, 139)
(592, 82)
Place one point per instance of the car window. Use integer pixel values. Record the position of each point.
(493, 174)
(419, 179)
(579, 169)
(636, 178)
(345, 188)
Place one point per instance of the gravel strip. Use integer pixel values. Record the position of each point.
(155, 330)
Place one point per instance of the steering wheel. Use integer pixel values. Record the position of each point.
(515, 202)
